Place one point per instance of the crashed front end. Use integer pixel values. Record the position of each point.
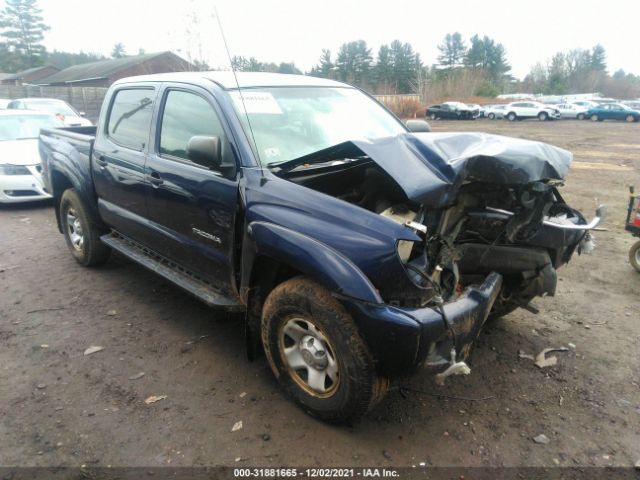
(489, 231)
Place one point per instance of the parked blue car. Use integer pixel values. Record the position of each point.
(356, 249)
(613, 111)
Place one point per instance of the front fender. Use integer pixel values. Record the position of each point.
(317, 260)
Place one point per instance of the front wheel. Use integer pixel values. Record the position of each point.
(433, 116)
(594, 118)
(491, 116)
(581, 116)
(543, 116)
(512, 117)
(80, 233)
(634, 256)
(316, 352)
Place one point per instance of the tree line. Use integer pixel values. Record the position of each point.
(478, 67)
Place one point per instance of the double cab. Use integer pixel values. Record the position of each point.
(356, 249)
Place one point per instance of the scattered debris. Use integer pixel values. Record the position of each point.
(111, 313)
(4, 269)
(521, 354)
(41, 386)
(93, 349)
(238, 459)
(25, 220)
(266, 437)
(44, 345)
(571, 345)
(236, 426)
(136, 376)
(243, 394)
(386, 454)
(52, 309)
(154, 399)
(542, 361)
(541, 439)
(637, 465)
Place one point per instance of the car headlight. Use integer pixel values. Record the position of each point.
(14, 170)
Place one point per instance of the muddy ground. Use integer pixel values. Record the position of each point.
(59, 407)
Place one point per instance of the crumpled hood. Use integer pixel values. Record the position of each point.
(20, 152)
(431, 167)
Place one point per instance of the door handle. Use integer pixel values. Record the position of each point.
(101, 161)
(154, 179)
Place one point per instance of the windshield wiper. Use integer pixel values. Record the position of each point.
(342, 151)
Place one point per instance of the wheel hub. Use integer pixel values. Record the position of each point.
(313, 352)
(310, 357)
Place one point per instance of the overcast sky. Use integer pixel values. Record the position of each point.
(297, 30)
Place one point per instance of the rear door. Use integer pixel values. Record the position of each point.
(192, 206)
(119, 156)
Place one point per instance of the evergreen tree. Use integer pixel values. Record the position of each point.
(353, 64)
(118, 51)
(22, 33)
(325, 67)
(452, 51)
(598, 59)
(384, 69)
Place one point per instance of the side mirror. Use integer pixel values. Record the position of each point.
(418, 126)
(82, 114)
(207, 151)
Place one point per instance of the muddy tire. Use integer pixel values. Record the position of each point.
(81, 234)
(315, 351)
(634, 256)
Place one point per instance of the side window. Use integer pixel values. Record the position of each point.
(186, 115)
(130, 117)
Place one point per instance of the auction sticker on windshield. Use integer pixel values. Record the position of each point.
(256, 102)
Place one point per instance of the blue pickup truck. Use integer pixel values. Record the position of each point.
(357, 248)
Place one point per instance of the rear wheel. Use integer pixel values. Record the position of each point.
(512, 117)
(634, 256)
(543, 116)
(316, 352)
(581, 116)
(80, 233)
(630, 118)
(492, 116)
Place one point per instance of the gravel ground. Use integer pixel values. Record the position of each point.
(59, 407)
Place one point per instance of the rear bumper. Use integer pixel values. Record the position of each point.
(401, 339)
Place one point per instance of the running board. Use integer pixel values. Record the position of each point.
(173, 272)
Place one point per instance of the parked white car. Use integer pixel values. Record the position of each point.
(65, 112)
(586, 104)
(633, 104)
(522, 110)
(20, 177)
(3, 103)
(494, 111)
(572, 110)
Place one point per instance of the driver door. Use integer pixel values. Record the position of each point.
(192, 207)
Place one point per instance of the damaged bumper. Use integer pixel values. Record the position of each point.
(404, 338)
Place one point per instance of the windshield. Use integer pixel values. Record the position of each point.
(22, 127)
(52, 107)
(290, 122)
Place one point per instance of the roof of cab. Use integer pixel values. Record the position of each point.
(227, 80)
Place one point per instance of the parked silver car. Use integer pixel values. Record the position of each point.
(571, 110)
(494, 111)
